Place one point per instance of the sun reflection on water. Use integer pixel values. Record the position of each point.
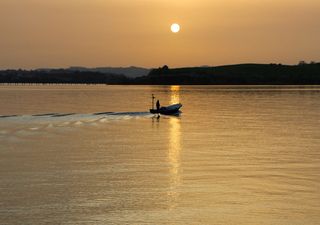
(174, 150)
(175, 94)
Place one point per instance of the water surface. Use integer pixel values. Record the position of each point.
(94, 155)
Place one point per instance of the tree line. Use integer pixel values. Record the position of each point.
(242, 74)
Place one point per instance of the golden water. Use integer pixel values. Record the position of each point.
(236, 155)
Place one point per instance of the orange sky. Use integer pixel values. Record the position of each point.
(62, 33)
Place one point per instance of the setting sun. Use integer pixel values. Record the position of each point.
(175, 28)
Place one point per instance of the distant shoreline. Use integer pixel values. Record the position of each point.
(242, 74)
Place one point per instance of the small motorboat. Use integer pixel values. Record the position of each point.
(168, 110)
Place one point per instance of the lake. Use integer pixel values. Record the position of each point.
(77, 154)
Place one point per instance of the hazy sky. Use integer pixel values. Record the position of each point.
(61, 33)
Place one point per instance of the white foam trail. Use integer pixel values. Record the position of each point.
(78, 123)
(26, 125)
(103, 120)
(34, 128)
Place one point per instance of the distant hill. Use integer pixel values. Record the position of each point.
(60, 76)
(242, 74)
(130, 72)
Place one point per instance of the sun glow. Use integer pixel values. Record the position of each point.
(175, 28)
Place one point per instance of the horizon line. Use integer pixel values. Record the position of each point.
(156, 67)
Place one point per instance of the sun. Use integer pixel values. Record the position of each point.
(175, 28)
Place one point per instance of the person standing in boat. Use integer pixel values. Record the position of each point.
(158, 105)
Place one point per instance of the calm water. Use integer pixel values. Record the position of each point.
(236, 155)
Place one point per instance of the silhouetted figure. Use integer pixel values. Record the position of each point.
(158, 104)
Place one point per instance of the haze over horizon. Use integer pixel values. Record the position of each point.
(94, 33)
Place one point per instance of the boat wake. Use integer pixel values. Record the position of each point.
(114, 115)
(27, 124)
